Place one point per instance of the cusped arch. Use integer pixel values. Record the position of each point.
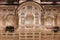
(11, 20)
(29, 9)
(30, 3)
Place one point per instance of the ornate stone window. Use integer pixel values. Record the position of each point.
(29, 14)
(10, 20)
(49, 18)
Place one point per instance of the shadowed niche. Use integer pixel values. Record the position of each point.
(9, 28)
(56, 29)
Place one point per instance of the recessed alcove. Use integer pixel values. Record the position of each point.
(9, 29)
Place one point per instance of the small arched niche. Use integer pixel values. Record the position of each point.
(11, 21)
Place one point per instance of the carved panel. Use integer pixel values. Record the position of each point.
(11, 20)
(49, 18)
(29, 15)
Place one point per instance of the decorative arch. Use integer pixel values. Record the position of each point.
(31, 11)
(11, 20)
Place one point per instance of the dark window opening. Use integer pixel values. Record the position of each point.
(9, 28)
(56, 29)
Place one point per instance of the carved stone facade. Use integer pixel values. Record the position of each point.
(30, 20)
